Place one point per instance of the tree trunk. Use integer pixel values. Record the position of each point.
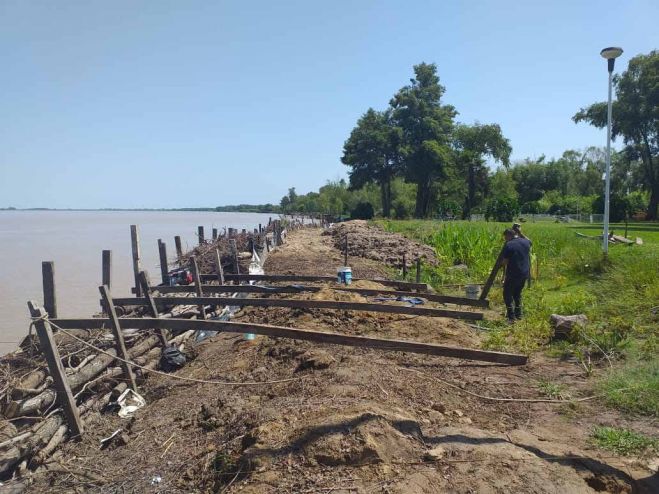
(471, 192)
(423, 193)
(654, 203)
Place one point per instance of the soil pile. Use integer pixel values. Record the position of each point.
(372, 242)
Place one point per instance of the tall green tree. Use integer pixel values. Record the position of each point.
(373, 153)
(635, 118)
(473, 144)
(426, 129)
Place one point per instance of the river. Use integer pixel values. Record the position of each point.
(74, 240)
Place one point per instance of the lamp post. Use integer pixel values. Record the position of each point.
(610, 54)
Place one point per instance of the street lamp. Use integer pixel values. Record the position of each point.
(610, 54)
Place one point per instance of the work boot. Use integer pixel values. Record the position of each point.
(510, 315)
(518, 313)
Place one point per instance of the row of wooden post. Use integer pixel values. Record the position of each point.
(41, 315)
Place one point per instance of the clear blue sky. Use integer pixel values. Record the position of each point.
(201, 103)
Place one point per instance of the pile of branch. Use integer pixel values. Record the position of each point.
(31, 427)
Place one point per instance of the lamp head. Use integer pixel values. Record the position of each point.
(611, 53)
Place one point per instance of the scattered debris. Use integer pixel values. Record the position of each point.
(130, 402)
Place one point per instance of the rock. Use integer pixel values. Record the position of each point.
(436, 416)
(563, 325)
(434, 454)
(316, 359)
(440, 407)
(465, 420)
(458, 413)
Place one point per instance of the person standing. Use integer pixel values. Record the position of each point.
(517, 260)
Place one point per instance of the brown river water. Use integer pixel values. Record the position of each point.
(74, 240)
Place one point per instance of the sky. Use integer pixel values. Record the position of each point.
(189, 103)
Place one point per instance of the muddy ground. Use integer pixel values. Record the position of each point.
(347, 420)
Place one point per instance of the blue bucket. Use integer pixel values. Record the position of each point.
(344, 275)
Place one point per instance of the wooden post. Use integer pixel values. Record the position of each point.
(493, 274)
(49, 298)
(135, 245)
(164, 268)
(194, 267)
(418, 270)
(214, 234)
(119, 344)
(47, 343)
(234, 254)
(260, 228)
(179, 248)
(219, 270)
(200, 233)
(244, 231)
(345, 251)
(146, 287)
(106, 277)
(404, 265)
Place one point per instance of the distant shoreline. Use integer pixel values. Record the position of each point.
(219, 209)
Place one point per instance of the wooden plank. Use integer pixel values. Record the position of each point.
(302, 304)
(194, 267)
(179, 247)
(146, 288)
(48, 347)
(292, 278)
(493, 274)
(164, 267)
(418, 270)
(200, 234)
(218, 267)
(345, 251)
(432, 297)
(119, 343)
(302, 334)
(404, 265)
(135, 247)
(49, 297)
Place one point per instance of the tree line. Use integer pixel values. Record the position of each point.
(414, 159)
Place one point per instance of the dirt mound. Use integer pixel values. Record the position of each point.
(374, 243)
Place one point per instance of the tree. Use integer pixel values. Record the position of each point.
(635, 118)
(426, 127)
(473, 143)
(372, 150)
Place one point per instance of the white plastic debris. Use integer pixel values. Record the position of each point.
(130, 402)
(156, 479)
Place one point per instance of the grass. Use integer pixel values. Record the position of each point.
(624, 442)
(619, 295)
(555, 391)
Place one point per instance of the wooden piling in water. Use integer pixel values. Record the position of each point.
(49, 297)
(164, 268)
(135, 247)
(106, 269)
(200, 234)
(179, 247)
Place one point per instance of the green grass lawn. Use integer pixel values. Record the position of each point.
(619, 295)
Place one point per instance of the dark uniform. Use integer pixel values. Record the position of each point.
(518, 270)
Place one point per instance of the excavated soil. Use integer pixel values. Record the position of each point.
(372, 242)
(350, 420)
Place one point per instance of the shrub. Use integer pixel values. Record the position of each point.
(362, 211)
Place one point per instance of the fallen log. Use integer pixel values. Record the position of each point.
(39, 402)
(13, 455)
